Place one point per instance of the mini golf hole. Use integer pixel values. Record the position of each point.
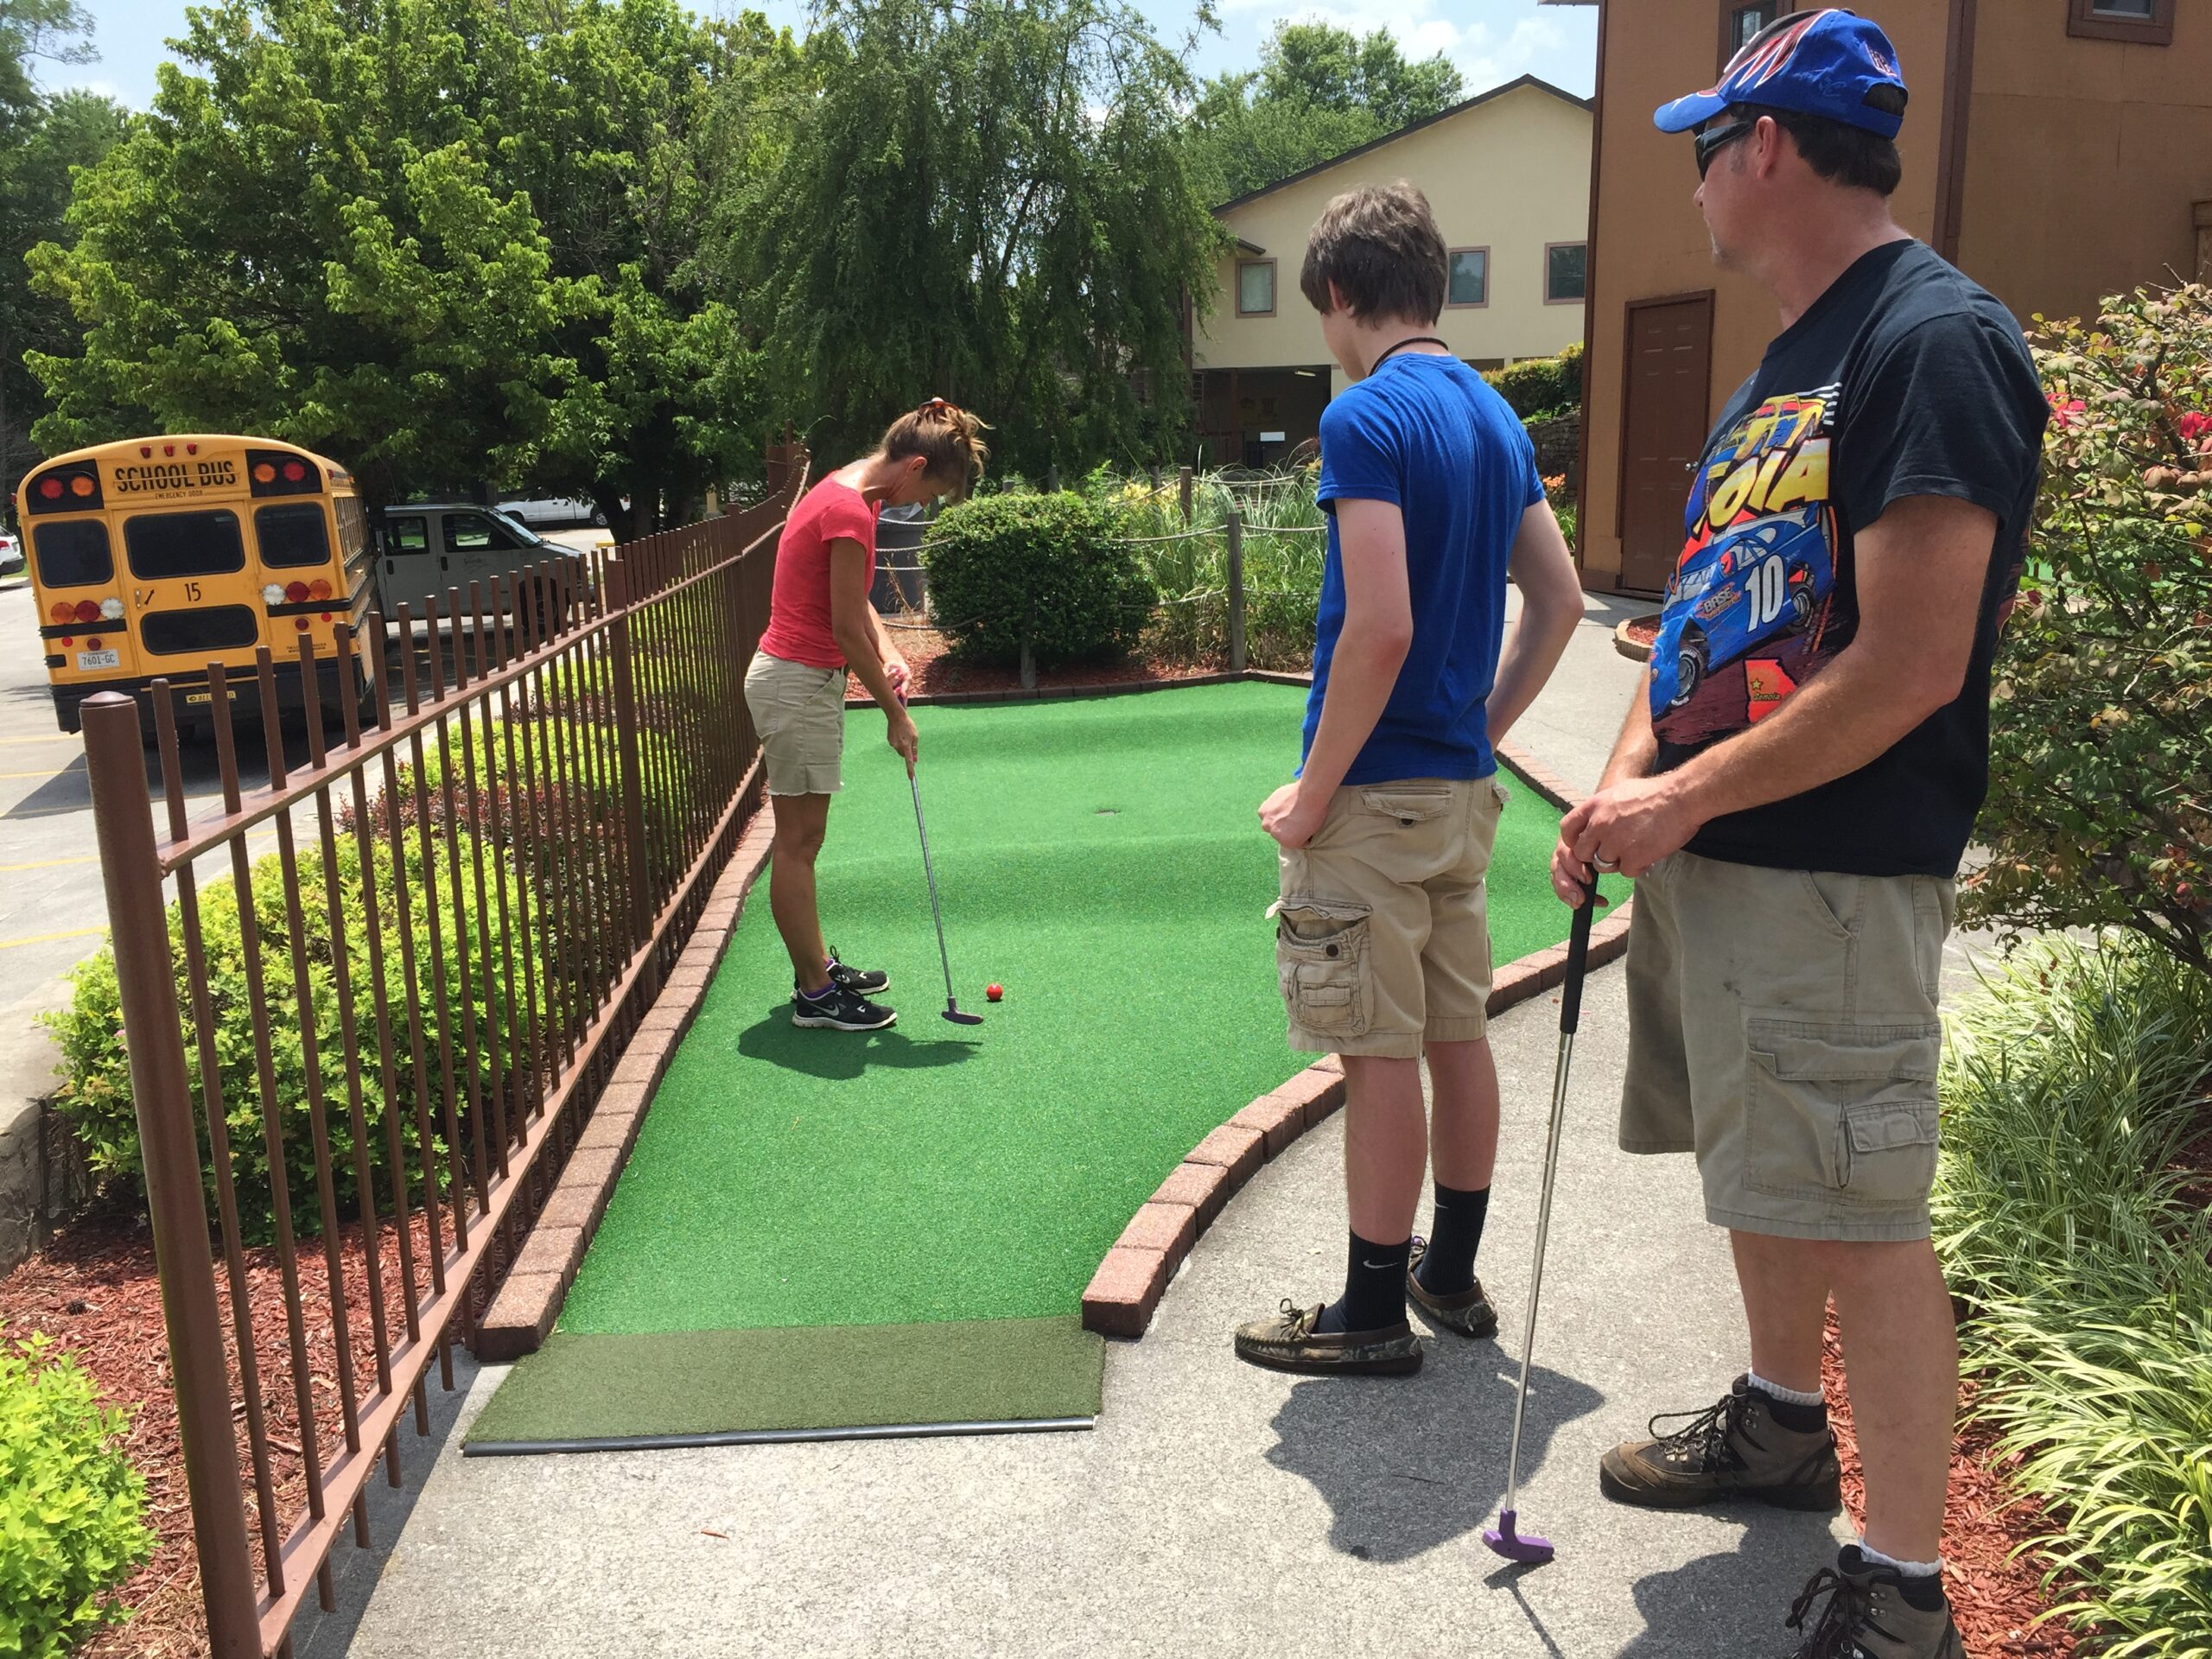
(1109, 812)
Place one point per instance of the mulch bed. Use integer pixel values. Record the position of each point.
(1643, 629)
(1994, 1596)
(95, 1292)
(935, 672)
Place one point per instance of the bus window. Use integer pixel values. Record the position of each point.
(211, 627)
(292, 535)
(72, 555)
(183, 544)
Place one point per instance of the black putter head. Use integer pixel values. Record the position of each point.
(952, 1012)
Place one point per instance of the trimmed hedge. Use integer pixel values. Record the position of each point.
(1542, 385)
(1004, 570)
(72, 1507)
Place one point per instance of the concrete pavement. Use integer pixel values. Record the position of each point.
(1215, 1508)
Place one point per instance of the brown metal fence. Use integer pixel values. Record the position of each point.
(511, 860)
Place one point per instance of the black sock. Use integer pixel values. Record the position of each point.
(1922, 1592)
(1448, 1266)
(1374, 1289)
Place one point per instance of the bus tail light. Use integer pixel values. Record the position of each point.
(273, 594)
(318, 589)
(295, 593)
(88, 610)
(63, 611)
(72, 488)
(111, 609)
(272, 472)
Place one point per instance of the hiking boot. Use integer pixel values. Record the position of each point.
(1866, 1617)
(1734, 1449)
(861, 982)
(839, 1010)
(1467, 1312)
(1288, 1342)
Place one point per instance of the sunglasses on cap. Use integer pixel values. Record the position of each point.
(1713, 140)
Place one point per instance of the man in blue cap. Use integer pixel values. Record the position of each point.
(1793, 794)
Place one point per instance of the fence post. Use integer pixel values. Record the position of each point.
(1186, 485)
(1236, 591)
(1052, 480)
(633, 787)
(1028, 666)
(1155, 478)
(123, 821)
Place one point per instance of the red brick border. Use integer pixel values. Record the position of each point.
(1127, 1288)
(523, 1313)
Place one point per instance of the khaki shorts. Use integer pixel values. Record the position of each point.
(1382, 931)
(1782, 1025)
(800, 715)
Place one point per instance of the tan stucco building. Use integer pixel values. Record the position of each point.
(1507, 174)
(2056, 150)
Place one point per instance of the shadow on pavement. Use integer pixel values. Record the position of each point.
(841, 1056)
(1408, 1465)
(1744, 1593)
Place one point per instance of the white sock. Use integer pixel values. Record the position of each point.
(1903, 1569)
(1787, 1396)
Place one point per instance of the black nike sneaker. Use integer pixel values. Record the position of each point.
(839, 1010)
(861, 982)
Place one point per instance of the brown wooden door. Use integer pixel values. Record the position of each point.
(1669, 391)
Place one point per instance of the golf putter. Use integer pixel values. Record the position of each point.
(1506, 1538)
(951, 1007)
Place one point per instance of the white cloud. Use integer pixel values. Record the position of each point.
(1484, 52)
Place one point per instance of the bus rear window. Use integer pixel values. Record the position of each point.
(184, 545)
(212, 627)
(292, 535)
(72, 555)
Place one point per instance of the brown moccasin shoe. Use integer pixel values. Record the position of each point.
(1467, 1312)
(1288, 1342)
(1733, 1449)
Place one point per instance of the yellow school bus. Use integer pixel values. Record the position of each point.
(153, 558)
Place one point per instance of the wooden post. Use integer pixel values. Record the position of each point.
(122, 823)
(1186, 497)
(1052, 480)
(1028, 666)
(1236, 591)
(1155, 478)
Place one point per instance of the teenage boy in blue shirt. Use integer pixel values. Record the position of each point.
(1382, 939)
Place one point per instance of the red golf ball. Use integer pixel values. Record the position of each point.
(994, 992)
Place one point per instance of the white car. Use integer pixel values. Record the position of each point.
(12, 556)
(552, 510)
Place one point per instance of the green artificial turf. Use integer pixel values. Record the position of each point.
(1100, 857)
(705, 1385)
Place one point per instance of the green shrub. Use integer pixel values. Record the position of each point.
(2068, 1227)
(96, 1096)
(2099, 812)
(1542, 386)
(71, 1505)
(1004, 570)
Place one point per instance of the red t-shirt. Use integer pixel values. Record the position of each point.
(798, 608)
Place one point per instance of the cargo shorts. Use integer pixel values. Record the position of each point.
(1782, 1025)
(1382, 929)
(800, 711)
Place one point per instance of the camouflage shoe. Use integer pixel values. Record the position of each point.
(1467, 1312)
(1734, 1449)
(1288, 1342)
(1866, 1617)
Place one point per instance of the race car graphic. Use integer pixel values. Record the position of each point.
(1752, 610)
(1761, 579)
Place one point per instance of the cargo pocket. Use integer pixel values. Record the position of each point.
(1321, 962)
(1841, 1109)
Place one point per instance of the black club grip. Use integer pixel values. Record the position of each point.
(1577, 959)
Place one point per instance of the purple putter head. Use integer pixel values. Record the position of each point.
(1505, 1540)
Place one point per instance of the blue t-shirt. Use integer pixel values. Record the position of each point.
(1427, 434)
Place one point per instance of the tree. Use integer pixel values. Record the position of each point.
(2099, 806)
(1319, 91)
(42, 140)
(451, 241)
(989, 201)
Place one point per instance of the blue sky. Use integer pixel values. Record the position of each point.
(1490, 40)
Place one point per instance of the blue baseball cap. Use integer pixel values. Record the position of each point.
(1826, 63)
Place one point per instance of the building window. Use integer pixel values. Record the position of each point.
(1739, 22)
(1566, 267)
(1256, 287)
(1470, 282)
(2145, 23)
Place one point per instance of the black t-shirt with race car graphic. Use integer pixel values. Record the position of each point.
(1903, 379)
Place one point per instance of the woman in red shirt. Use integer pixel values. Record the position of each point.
(820, 622)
